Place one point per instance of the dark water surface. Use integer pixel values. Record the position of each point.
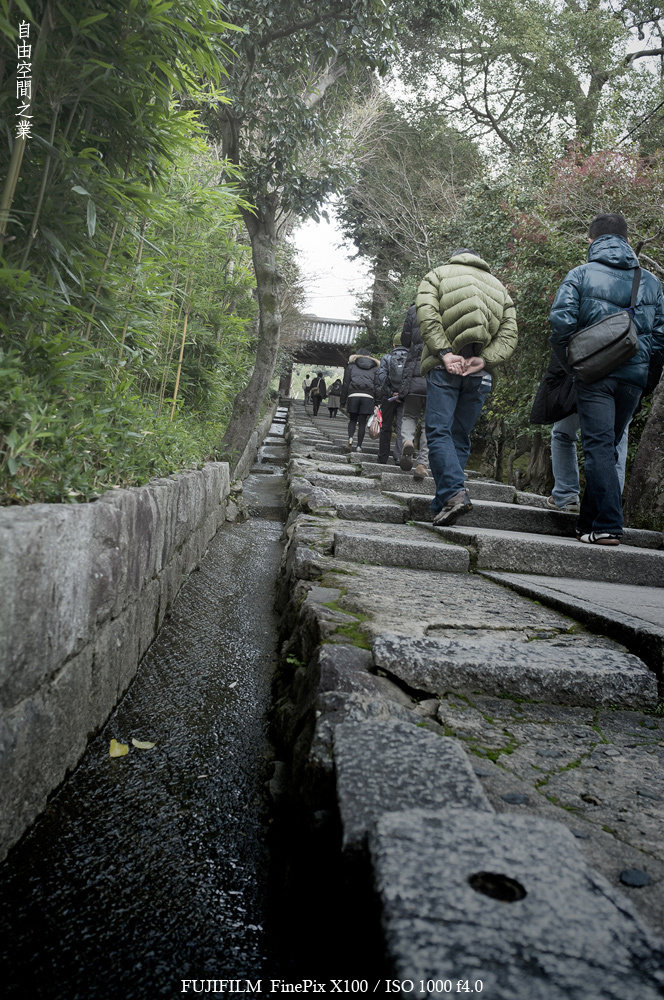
(153, 867)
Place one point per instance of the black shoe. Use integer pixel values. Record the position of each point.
(407, 452)
(455, 507)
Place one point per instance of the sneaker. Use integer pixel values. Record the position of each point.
(571, 507)
(455, 506)
(421, 472)
(349, 446)
(598, 538)
(406, 460)
(358, 448)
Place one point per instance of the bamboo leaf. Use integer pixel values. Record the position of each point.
(92, 217)
(92, 19)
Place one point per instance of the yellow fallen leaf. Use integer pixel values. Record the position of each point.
(118, 749)
(143, 746)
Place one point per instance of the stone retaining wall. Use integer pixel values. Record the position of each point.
(85, 589)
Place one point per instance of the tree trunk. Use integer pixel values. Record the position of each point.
(539, 474)
(500, 451)
(379, 294)
(269, 284)
(644, 506)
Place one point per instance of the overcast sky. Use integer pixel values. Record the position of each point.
(332, 280)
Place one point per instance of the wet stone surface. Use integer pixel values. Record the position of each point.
(154, 866)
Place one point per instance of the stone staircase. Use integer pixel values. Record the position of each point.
(483, 695)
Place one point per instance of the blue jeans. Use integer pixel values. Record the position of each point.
(605, 410)
(565, 462)
(453, 406)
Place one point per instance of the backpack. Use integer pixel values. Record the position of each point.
(395, 368)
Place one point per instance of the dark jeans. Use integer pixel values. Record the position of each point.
(391, 410)
(605, 409)
(453, 406)
(316, 400)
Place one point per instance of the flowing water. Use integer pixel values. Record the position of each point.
(153, 867)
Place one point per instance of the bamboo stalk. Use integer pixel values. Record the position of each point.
(177, 377)
(19, 144)
(137, 258)
(32, 232)
(169, 346)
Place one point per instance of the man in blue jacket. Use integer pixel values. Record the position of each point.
(587, 295)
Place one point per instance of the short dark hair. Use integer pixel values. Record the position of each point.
(610, 224)
(319, 374)
(460, 250)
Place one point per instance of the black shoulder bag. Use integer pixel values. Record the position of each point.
(600, 349)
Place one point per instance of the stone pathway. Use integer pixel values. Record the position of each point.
(479, 705)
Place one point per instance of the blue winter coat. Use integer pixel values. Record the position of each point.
(604, 286)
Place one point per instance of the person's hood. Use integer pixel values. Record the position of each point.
(470, 260)
(363, 360)
(612, 250)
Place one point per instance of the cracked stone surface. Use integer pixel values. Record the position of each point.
(416, 603)
(555, 755)
(567, 936)
(417, 768)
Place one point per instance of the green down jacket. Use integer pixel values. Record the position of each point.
(462, 303)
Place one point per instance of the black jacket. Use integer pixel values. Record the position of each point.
(556, 395)
(413, 382)
(361, 375)
(319, 385)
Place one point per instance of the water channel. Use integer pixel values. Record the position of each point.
(154, 867)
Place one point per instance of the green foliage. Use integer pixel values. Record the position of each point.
(123, 279)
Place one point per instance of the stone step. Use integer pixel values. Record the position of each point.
(370, 467)
(521, 552)
(409, 552)
(503, 516)
(479, 489)
(487, 513)
(556, 674)
(509, 901)
(342, 483)
(417, 768)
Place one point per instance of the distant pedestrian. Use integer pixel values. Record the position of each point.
(390, 374)
(359, 392)
(334, 400)
(588, 294)
(306, 386)
(468, 324)
(414, 395)
(318, 392)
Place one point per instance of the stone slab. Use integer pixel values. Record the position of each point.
(372, 468)
(386, 551)
(598, 773)
(646, 603)
(417, 768)
(367, 509)
(420, 602)
(537, 671)
(522, 552)
(335, 469)
(341, 482)
(628, 613)
(479, 490)
(571, 936)
(500, 516)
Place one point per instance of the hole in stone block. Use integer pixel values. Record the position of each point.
(497, 886)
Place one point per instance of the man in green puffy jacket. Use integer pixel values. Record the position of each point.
(468, 324)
